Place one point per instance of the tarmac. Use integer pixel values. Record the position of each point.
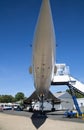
(10, 120)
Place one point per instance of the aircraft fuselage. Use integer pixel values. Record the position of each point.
(44, 50)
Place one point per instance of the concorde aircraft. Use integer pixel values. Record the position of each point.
(43, 56)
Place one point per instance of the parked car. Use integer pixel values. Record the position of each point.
(1, 108)
(7, 107)
(18, 108)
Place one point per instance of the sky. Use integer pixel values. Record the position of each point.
(17, 24)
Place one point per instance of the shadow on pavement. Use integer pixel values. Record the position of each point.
(38, 119)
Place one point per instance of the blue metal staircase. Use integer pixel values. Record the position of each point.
(75, 100)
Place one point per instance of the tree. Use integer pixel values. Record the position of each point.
(19, 96)
(6, 99)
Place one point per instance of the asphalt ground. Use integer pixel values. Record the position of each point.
(57, 115)
(50, 120)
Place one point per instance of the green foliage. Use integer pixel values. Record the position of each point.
(6, 99)
(10, 99)
(59, 92)
(19, 96)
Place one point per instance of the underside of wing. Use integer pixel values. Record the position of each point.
(34, 97)
(51, 97)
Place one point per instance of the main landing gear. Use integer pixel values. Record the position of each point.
(53, 109)
(42, 99)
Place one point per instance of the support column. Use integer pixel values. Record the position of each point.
(74, 99)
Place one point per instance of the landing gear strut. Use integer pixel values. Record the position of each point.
(42, 103)
(30, 109)
(53, 109)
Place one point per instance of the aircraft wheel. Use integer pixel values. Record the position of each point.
(53, 109)
(30, 110)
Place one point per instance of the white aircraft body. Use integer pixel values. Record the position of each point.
(43, 66)
(43, 57)
(44, 50)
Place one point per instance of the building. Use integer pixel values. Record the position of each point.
(67, 101)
